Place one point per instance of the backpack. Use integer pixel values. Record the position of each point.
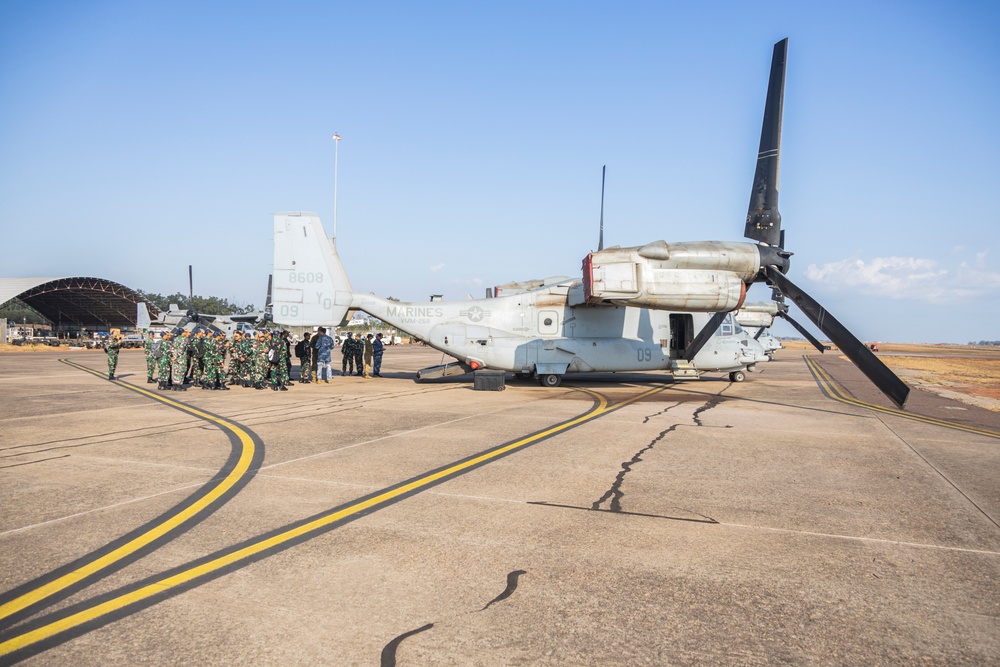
(273, 354)
(198, 347)
(300, 349)
(157, 349)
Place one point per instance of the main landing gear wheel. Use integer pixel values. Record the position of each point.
(737, 376)
(550, 380)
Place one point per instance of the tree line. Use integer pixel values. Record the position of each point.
(212, 305)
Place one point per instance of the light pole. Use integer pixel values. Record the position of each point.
(336, 155)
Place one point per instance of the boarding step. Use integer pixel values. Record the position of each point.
(683, 370)
(443, 371)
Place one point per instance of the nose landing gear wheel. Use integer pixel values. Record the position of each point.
(737, 376)
(550, 380)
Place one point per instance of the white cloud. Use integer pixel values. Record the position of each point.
(437, 267)
(909, 278)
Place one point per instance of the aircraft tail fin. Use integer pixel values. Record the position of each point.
(310, 286)
(142, 319)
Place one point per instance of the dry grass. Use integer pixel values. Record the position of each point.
(968, 373)
(976, 378)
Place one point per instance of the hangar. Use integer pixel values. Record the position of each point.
(74, 304)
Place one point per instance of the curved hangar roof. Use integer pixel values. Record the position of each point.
(74, 301)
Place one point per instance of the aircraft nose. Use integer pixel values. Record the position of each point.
(754, 352)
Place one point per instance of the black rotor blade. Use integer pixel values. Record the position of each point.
(190, 283)
(600, 241)
(706, 332)
(763, 219)
(759, 332)
(854, 349)
(805, 332)
(267, 300)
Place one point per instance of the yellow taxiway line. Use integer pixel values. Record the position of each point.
(185, 577)
(248, 450)
(836, 391)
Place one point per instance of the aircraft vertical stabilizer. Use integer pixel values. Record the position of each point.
(142, 319)
(310, 285)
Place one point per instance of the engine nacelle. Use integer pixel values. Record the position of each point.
(757, 314)
(707, 276)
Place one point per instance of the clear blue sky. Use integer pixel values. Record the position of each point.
(137, 138)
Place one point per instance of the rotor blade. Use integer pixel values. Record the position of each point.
(268, 313)
(706, 332)
(763, 219)
(759, 332)
(190, 284)
(856, 351)
(600, 242)
(805, 332)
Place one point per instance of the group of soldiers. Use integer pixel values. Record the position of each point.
(361, 355)
(181, 358)
(261, 359)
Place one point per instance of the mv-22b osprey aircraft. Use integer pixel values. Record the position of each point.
(659, 306)
(175, 317)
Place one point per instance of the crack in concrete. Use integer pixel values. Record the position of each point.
(615, 493)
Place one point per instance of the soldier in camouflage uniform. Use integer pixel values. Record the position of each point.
(259, 366)
(179, 359)
(232, 346)
(239, 352)
(112, 347)
(224, 346)
(279, 370)
(147, 346)
(196, 357)
(359, 351)
(304, 351)
(347, 349)
(213, 377)
(245, 350)
(163, 363)
(209, 372)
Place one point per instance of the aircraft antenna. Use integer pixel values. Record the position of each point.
(600, 240)
(336, 156)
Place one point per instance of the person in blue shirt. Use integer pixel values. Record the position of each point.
(378, 347)
(323, 346)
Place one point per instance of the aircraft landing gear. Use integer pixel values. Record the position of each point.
(550, 380)
(737, 376)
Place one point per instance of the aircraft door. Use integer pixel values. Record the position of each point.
(681, 333)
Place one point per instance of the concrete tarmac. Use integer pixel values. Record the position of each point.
(619, 519)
